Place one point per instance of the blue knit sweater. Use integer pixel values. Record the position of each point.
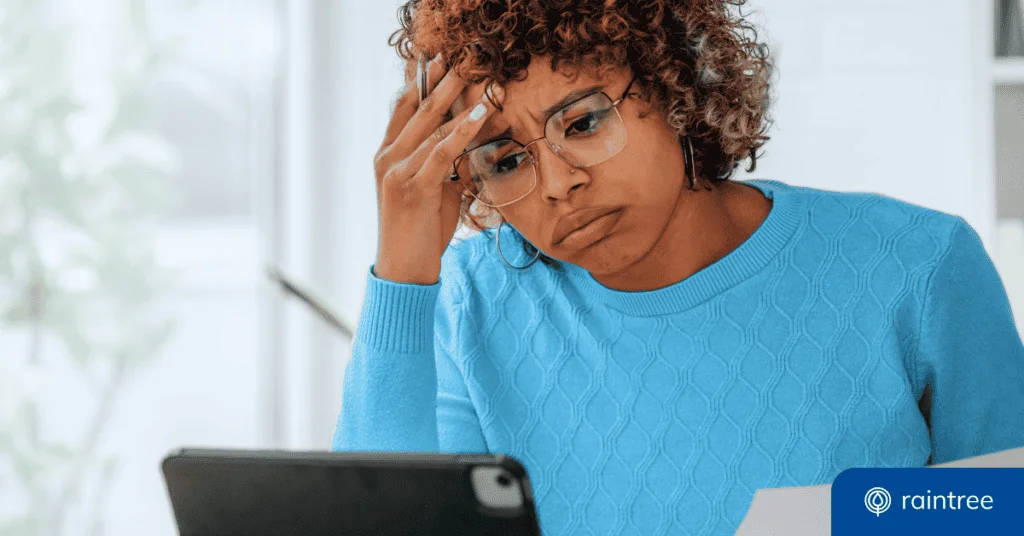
(803, 352)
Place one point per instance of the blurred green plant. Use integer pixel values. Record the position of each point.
(83, 180)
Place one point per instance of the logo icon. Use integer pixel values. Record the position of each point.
(877, 500)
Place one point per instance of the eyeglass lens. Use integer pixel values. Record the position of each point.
(584, 133)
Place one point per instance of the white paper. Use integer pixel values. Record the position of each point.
(807, 511)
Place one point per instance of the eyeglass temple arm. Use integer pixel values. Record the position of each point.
(626, 93)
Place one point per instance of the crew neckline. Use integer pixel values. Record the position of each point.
(738, 265)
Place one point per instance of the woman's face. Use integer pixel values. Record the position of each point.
(640, 185)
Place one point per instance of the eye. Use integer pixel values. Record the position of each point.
(509, 163)
(586, 123)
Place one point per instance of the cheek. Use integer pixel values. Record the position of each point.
(524, 217)
(638, 176)
(656, 161)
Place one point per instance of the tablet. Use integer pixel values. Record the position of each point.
(275, 493)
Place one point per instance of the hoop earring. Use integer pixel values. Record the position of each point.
(688, 155)
(497, 244)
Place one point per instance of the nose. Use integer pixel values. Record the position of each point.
(556, 178)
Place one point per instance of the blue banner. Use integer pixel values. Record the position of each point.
(929, 501)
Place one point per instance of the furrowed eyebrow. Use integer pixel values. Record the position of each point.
(503, 135)
(573, 96)
(550, 110)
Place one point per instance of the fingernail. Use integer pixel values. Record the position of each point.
(477, 112)
(498, 91)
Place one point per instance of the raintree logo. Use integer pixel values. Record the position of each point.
(924, 500)
(877, 500)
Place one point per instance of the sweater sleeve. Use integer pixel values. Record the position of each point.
(403, 390)
(971, 361)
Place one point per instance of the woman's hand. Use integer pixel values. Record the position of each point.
(418, 205)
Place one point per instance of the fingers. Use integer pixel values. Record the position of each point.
(406, 169)
(402, 110)
(408, 102)
(429, 165)
(434, 158)
(415, 160)
(430, 114)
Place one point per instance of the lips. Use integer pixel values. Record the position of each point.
(577, 220)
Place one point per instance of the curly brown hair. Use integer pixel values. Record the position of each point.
(700, 60)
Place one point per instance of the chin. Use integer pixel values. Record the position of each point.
(608, 255)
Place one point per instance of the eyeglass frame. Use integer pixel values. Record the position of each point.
(533, 162)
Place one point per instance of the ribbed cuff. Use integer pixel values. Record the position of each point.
(398, 317)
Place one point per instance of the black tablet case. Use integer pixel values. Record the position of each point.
(278, 493)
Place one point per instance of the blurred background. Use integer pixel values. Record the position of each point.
(156, 156)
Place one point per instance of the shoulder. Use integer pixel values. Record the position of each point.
(874, 221)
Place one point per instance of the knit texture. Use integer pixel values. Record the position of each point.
(802, 353)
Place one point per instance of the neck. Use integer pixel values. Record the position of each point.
(704, 227)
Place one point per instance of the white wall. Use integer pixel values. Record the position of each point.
(882, 96)
(203, 389)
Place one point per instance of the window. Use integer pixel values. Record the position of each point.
(137, 156)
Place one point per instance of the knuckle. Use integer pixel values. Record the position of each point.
(442, 132)
(464, 129)
(396, 174)
(404, 99)
(390, 178)
(380, 162)
(428, 105)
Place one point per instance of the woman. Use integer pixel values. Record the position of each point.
(653, 340)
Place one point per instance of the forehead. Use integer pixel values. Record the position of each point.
(526, 100)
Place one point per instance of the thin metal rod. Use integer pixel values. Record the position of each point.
(306, 297)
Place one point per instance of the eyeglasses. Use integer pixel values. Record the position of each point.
(583, 133)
